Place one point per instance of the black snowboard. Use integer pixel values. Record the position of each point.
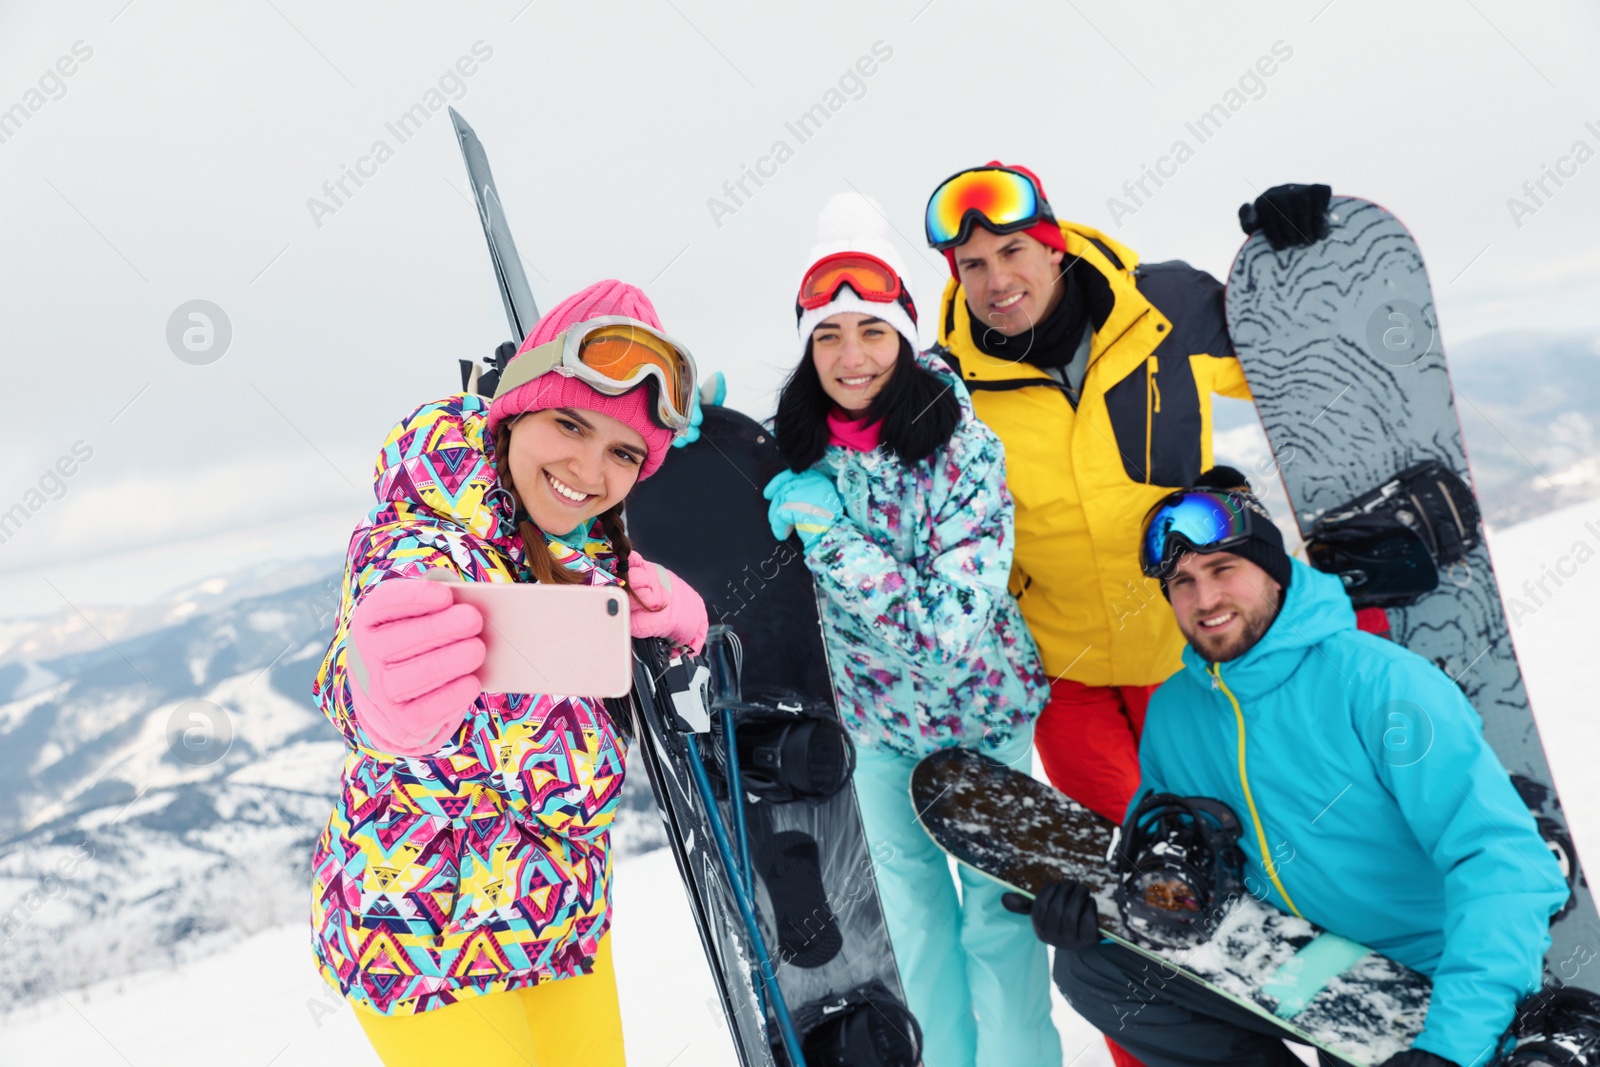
(810, 866)
(1340, 344)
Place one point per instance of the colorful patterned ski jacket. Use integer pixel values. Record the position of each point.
(927, 647)
(486, 865)
(1361, 775)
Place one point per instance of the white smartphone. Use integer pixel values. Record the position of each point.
(564, 640)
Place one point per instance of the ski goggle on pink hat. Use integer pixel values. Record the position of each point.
(613, 354)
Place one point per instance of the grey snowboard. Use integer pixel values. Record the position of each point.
(1327, 991)
(1340, 344)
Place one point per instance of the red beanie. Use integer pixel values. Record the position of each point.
(1044, 231)
(553, 390)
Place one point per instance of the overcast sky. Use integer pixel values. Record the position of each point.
(185, 156)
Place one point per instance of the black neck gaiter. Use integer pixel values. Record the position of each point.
(1050, 344)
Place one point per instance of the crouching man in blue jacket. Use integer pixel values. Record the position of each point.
(1370, 802)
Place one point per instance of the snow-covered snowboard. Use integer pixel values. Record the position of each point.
(1340, 344)
(1328, 991)
(793, 835)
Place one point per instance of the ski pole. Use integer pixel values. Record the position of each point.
(719, 833)
(726, 681)
(736, 800)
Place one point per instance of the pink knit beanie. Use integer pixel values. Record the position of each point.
(552, 390)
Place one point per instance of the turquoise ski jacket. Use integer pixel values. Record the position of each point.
(928, 648)
(1371, 805)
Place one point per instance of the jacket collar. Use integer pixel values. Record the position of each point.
(1116, 305)
(1315, 609)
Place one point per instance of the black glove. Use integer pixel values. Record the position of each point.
(1413, 1058)
(1063, 913)
(1288, 215)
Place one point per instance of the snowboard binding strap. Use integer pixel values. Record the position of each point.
(1557, 1027)
(1389, 545)
(792, 753)
(1178, 864)
(866, 1027)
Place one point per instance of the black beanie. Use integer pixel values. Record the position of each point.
(1264, 547)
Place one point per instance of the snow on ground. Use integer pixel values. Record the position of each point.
(261, 1002)
(1556, 628)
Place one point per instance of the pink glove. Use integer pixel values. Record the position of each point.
(412, 654)
(665, 606)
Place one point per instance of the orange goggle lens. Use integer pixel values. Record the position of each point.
(623, 353)
(1005, 200)
(870, 277)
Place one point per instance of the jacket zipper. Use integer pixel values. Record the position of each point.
(1244, 780)
(1151, 406)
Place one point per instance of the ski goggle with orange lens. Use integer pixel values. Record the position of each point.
(1001, 199)
(870, 277)
(1193, 520)
(612, 355)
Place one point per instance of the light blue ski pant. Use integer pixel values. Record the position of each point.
(975, 976)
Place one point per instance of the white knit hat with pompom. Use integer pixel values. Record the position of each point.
(849, 222)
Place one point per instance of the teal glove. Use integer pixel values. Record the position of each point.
(805, 503)
(715, 391)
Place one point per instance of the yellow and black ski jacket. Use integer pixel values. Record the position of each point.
(1085, 469)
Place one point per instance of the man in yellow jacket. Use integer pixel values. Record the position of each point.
(1097, 373)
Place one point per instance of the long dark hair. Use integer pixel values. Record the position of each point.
(918, 410)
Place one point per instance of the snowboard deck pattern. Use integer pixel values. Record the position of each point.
(703, 516)
(1340, 344)
(1324, 989)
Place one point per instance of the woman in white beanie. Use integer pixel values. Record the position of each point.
(898, 495)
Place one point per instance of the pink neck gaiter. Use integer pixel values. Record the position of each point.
(860, 435)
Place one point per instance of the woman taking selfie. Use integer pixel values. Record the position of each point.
(462, 888)
(898, 495)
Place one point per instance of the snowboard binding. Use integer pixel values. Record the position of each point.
(1545, 806)
(866, 1027)
(785, 748)
(1558, 1027)
(1178, 864)
(483, 380)
(1389, 545)
(791, 752)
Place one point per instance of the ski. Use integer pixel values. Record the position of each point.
(521, 311)
(727, 944)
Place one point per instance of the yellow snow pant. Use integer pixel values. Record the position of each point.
(575, 1022)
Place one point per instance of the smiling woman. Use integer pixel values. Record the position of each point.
(565, 467)
(898, 494)
(469, 858)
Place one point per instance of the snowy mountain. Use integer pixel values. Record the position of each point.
(163, 775)
(1530, 410)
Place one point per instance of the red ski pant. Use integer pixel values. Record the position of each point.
(1088, 741)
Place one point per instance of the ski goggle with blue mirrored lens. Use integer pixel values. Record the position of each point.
(1191, 520)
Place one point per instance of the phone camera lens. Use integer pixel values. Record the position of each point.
(611, 606)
